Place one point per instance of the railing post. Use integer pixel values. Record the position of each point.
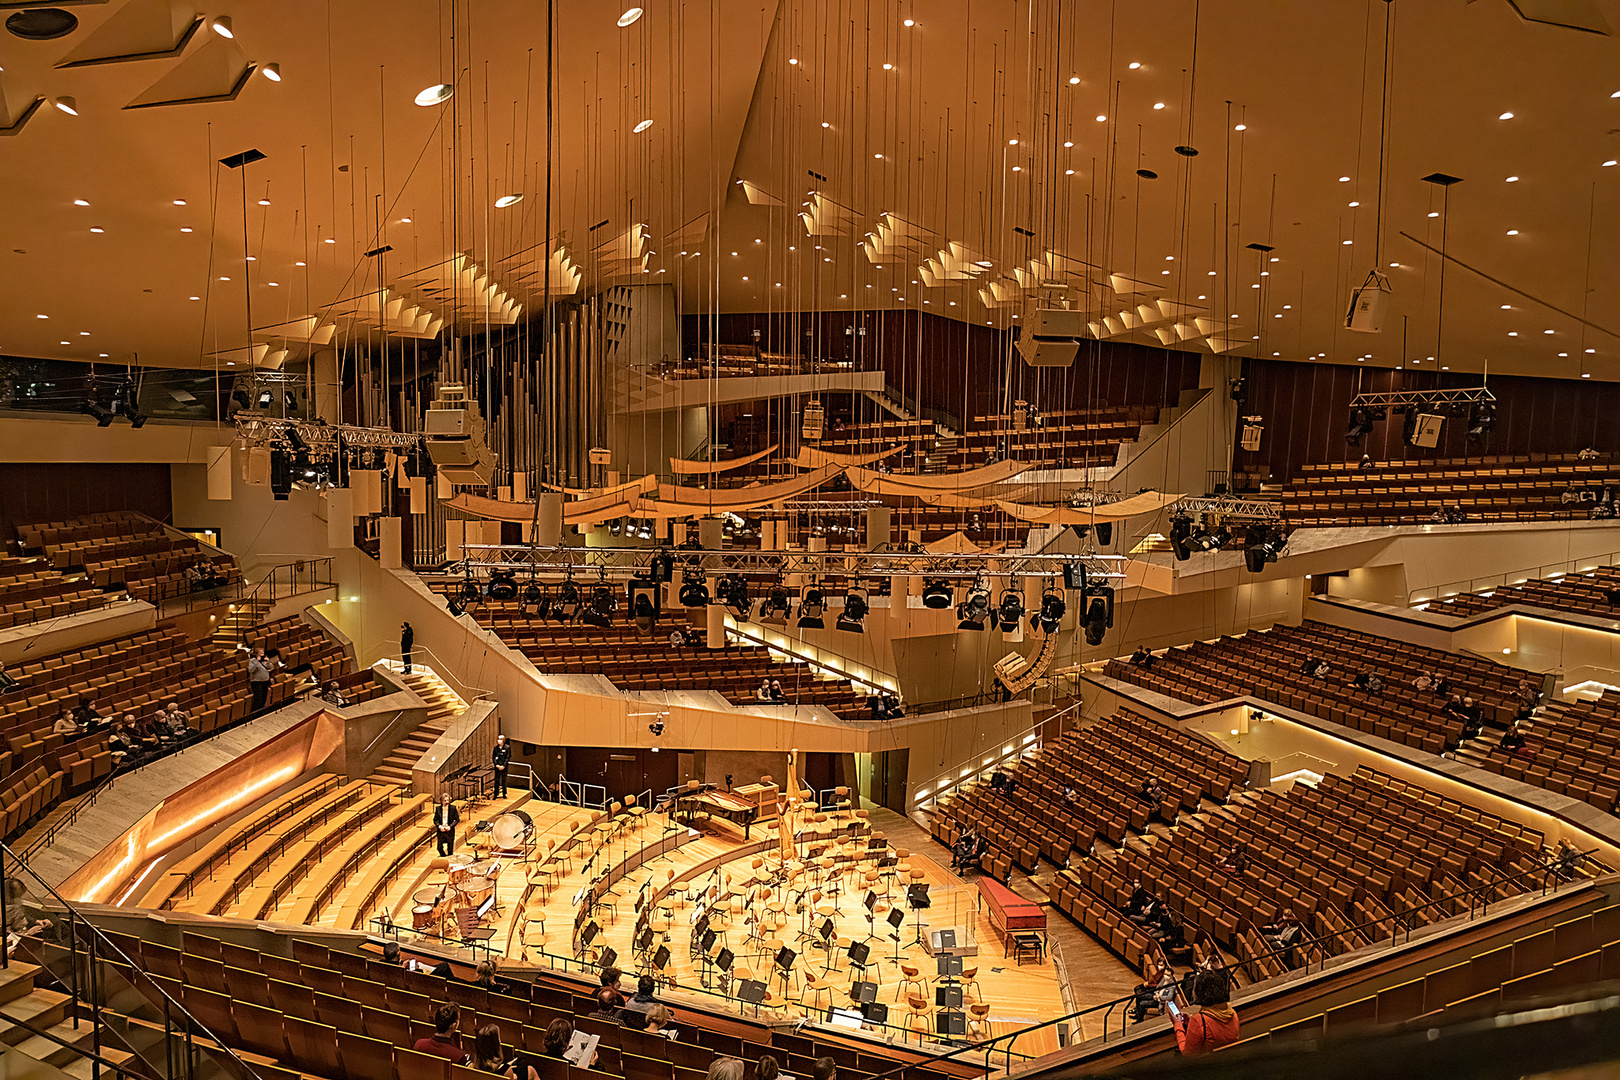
(73, 945)
(96, 1020)
(5, 916)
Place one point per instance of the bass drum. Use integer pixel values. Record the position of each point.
(511, 830)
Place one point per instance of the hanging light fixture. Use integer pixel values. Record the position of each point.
(271, 71)
(222, 26)
(508, 200)
(434, 95)
(643, 126)
(67, 104)
(630, 15)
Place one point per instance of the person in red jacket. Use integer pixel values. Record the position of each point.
(1215, 1024)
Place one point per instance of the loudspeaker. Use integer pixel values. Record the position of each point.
(1369, 304)
(1427, 431)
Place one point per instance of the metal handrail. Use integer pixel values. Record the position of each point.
(101, 947)
(922, 795)
(464, 690)
(734, 627)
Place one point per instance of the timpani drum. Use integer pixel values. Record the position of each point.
(422, 916)
(459, 870)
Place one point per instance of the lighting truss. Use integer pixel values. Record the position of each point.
(623, 563)
(321, 438)
(1229, 509)
(1438, 399)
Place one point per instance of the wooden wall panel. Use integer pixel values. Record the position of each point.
(1306, 409)
(34, 492)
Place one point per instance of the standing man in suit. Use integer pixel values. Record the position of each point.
(501, 757)
(407, 638)
(445, 820)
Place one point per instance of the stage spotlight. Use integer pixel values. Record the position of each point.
(1262, 549)
(1010, 610)
(502, 585)
(599, 612)
(265, 398)
(281, 466)
(776, 602)
(1481, 419)
(656, 727)
(566, 604)
(937, 594)
(642, 612)
(694, 592)
(812, 608)
(467, 592)
(536, 600)
(733, 590)
(975, 609)
(104, 416)
(1099, 601)
(1053, 607)
(1180, 533)
(853, 617)
(1361, 425)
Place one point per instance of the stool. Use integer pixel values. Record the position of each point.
(1031, 945)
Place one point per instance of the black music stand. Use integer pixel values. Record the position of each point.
(875, 1012)
(610, 956)
(586, 936)
(784, 966)
(896, 919)
(753, 992)
(917, 897)
(948, 997)
(660, 963)
(949, 966)
(859, 953)
(644, 940)
(951, 1023)
(870, 902)
(864, 992)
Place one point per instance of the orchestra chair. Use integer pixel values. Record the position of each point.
(912, 983)
(978, 1025)
(816, 989)
(969, 982)
(918, 1018)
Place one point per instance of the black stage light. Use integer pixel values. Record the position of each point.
(974, 610)
(777, 603)
(1010, 610)
(937, 593)
(812, 608)
(1099, 617)
(1361, 425)
(694, 592)
(103, 416)
(467, 592)
(1053, 607)
(853, 617)
(1180, 533)
(502, 585)
(566, 604)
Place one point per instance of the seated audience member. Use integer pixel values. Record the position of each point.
(1423, 682)
(1010, 786)
(64, 725)
(610, 981)
(1236, 860)
(119, 743)
(86, 715)
(1152, 791)
(677, 638)
(1365, 463)
(491, 1057)
(892, 709)
(825, 1068)
(1527, 694)
(1156, 987)
(1439, 515)
(608, 1002)
(1442, 685)
(484, 975)
(777, 693)
(1320, 671)
(18, 925)
(767, 1068)
(634, 1013)
(178, 723)
(1070, 795)
(333, 695)
(1565, 860)
(658, 1020)
(558, 1035)
(1172, 937)
(967, 852)
(1142, 657)
(1454, 707)
(1215, 1024)
(1374, 683)
(1139, 899)
(1147, 913)
(7, 683)
(1513, 741)
(390, 954)
(1283, 933)
(726, 1068)
(1308, 666)
(764, 691)
(445, 1042)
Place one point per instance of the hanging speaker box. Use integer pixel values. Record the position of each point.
(256, 466)
(1050, 337)
(1369, 304)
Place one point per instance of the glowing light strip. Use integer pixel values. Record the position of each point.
(127, 892)
(122, 864)
(279, 776)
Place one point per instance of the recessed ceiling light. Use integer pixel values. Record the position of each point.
(1101, 118)
(1353, 203)
(404, 221)
(1164, 271)
(888, 67)
(185, 228)
(878, 157)
(1158, 104)
(1287, 307)
(1585, 375)
(65, 343)
(630, 15)
(1507, 307)
(1505, 116)
(252, 258)
(179, 202)
(1068, 144)
(1212, 273)
(264, 202)
(1169, 258)
(298, 264)
(745, 278)
(1513, 333)
(825, 124)
(224, 279)
(639, 128)
(41, 316)
(910, 22)
(1018, 168)
(97, 229)
(1275, 258)
(1074, 80)
(1394, 266)
(1546, 331)
(1012, 142)
(103, 354)
(196, 298)
(271, 71)
(1563, 354)
(1240, 127)
(1203, 297)
(86, 333)
(1512, 180)
(435, 95)
(793, 59)
(222, 26)
(274, 284)
(1434, 213)
(1347, 243)
(80, 202)
(508, 200)
(1591, 350)
(1344, 179)
(1608, 163)
(1513, 232)
(67, 104)
(1068, 172)
(1135, 64)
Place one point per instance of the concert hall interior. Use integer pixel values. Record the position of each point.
(790, 537)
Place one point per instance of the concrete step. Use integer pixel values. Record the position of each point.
(17, 981)
(41, 1008)
(83, 1068)
(51, 1052)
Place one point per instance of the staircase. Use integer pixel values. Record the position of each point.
(444, 705)
(237, 628)
(46, 1010)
